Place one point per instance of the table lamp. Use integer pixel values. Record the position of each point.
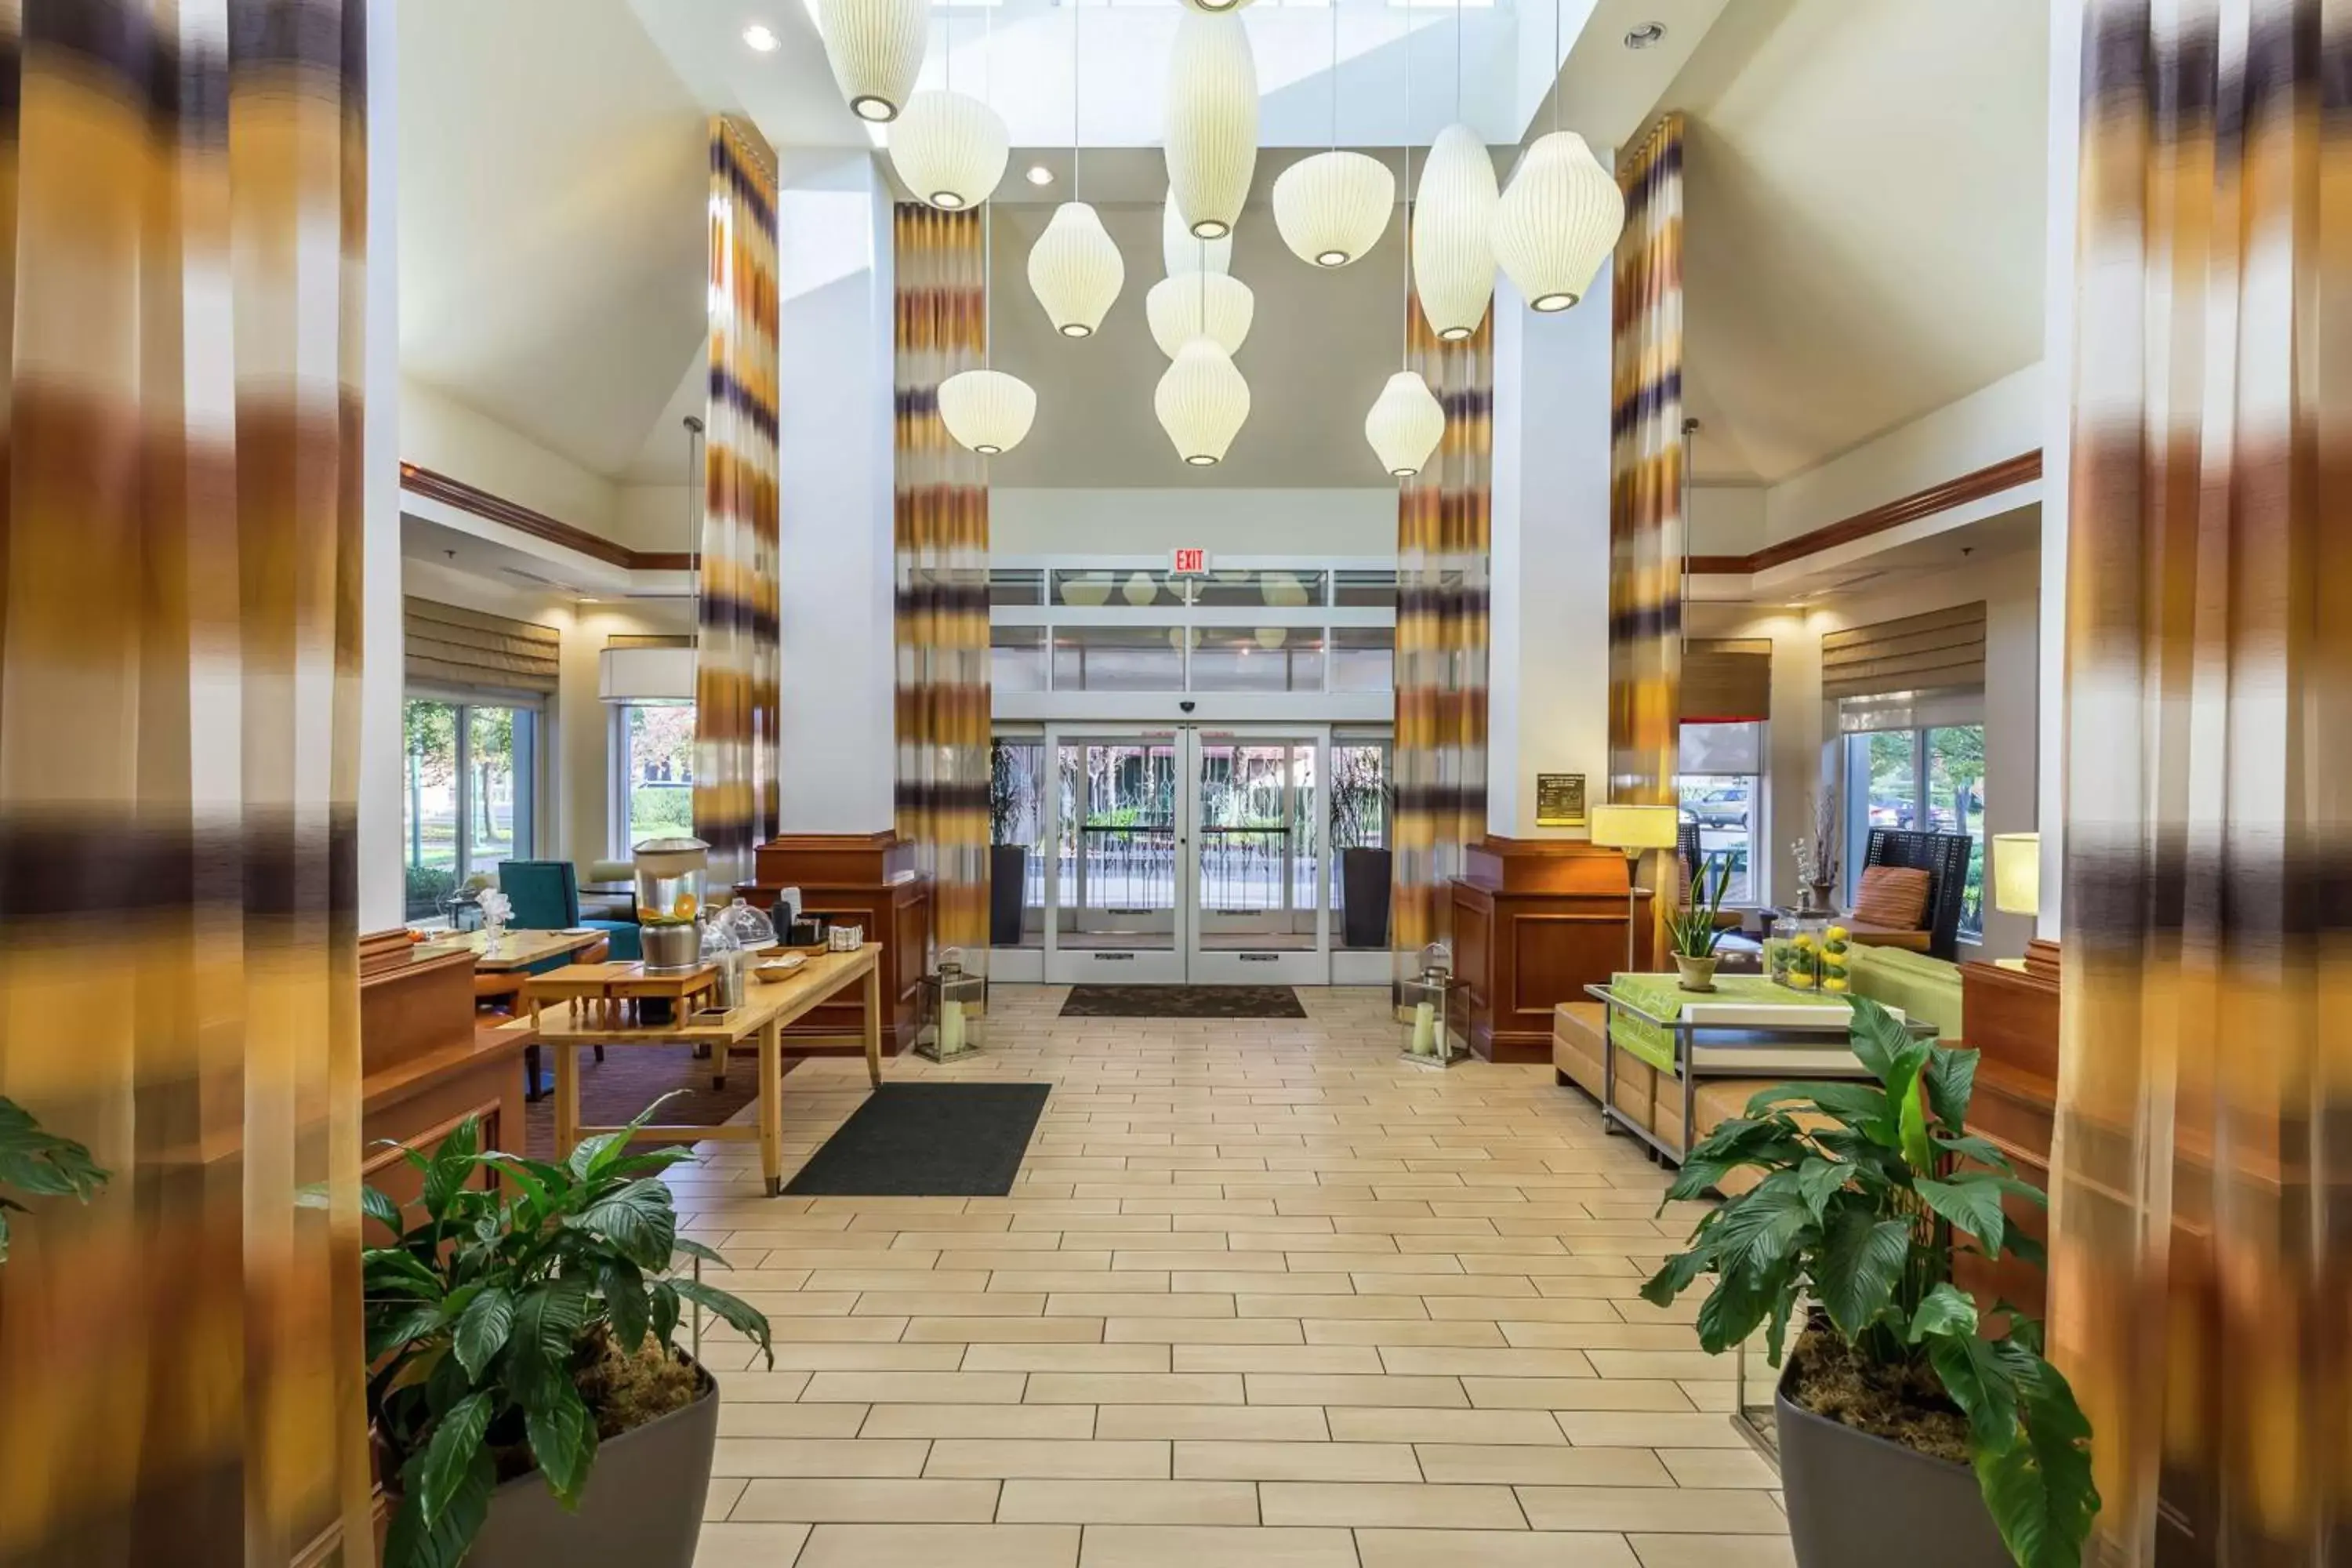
(2017, 873)
(1635, 829)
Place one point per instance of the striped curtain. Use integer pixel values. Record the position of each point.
(2202, 1175)
(737, 797)
(1440, 763)
(183, 255)
(941, 531)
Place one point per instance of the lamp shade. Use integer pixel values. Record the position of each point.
(1635, 826)
(1215, 7)
(1405, 424)
(1282, 590)
(1452, 234)
(949, 148)
(1212, 132)
(1197, 304)
(987, 410)
(1558, 221)
(1330, 208)
(875, 49)
(1089, 592)
(1076, 270)
(1184, 251)
(2017, 873)
(1202, 401)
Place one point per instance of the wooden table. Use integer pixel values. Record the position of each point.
(767, 1009)
(516, 948)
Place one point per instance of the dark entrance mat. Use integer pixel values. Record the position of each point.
(928, 1140)
(1183, 1002)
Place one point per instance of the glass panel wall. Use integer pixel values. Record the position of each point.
(471, 796)
(1257, 658)
(1119, 658)
(1016, 658)
(1722, 782)
(1931, 778)
(656, 760)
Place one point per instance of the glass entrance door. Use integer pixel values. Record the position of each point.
(1113, 904)
(1259, 876)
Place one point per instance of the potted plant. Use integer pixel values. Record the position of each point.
(522, 1333)
(1898, 1384)
(1692, 932)
(1008, 862)
(1359, 807)
(39, 1165)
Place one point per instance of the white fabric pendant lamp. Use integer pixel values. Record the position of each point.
(1558, 221)
(1202, 402)
(875, 49)
(1215, 7)
(1199, 304)
(1183, 251)
(987, 411)
(1212, 132)
(1330, 208)
(1076, 270)
(948, 148)
(1405, 424)
(1452, 234)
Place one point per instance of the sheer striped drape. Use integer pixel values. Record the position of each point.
(2202, 1233)
(182, 236)
(942, 569)
(737, 797)
(1439, 764)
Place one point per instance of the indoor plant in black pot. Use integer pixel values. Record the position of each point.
(1896, 1385)
(1008, 863)
(1358, 810)
(522, 1333)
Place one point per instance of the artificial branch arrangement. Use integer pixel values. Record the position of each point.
(39, 1165)
(1867, 1191)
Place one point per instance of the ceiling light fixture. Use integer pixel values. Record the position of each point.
(762, 37)
(1040, 175)
(1330, 208)
(1398, 424)
(1074, 269)
(1212, 130)
(1642, 37)
(949, 147)
(1215, 7)
(1559, 219)
(987, 410)
(1199, 304)
(876, 49)
(1454, 221)
(1202, 401)
(1184, 252)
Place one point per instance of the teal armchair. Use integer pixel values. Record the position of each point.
(546, 897)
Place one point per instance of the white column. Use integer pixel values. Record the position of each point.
(382, 897)
(835, 403)
(2057, 442)
(1548, 682)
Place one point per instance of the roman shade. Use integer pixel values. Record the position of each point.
(446, 645)
(1942, 650)
(1727, 681)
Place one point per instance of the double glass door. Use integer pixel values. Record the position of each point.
(1188, 854)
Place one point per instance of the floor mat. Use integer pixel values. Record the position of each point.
(1183, 1002)
(928, 1140)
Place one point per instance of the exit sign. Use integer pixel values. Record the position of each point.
(1190, 562)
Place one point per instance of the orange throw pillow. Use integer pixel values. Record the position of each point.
(1892, 896)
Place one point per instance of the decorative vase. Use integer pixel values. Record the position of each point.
(1699, 973)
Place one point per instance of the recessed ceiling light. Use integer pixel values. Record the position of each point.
(762, 37)
(1040, 175)
(1642, 37)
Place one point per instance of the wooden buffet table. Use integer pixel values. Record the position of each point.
(516, 948)
(570, 1028)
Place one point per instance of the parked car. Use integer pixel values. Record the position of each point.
(1718, 808)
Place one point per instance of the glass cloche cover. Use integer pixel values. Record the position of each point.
(750, 929)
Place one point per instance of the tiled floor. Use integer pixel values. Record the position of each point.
(1262, 1296)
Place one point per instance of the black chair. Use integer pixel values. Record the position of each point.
(1945, 857)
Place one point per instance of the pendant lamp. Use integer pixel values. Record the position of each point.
(987, 410)
(1331, 207)
(1452, 234)
(1074, 269)
(1558, 221)
(1212, 134)
(1199, 304)
(1405, 424)
(1183, 251)
(948, 148)
(1202, 401)
(875, 49)
(1215, 7)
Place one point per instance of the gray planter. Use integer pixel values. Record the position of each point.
(642, 1507)
(1859, 1502)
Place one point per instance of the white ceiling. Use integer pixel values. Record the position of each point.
(1863, 219)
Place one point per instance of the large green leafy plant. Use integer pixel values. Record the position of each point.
(485, 1316)
(39, 1165)
(1868, 1191)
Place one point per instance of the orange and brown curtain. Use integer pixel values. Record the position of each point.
(738, 797)
(182, 249)
(1443, 518)
(942, 531)
(2201, 1254)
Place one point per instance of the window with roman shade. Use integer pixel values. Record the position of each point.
(1727, 681)
(1942, 650)
(447, 646)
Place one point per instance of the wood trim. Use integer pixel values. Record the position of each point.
(1975, 485)
(481, 503)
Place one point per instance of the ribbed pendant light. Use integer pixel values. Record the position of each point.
(1452, 234)
(948, 148)
(1076, 270)
(1330, 208)
(1215, 7)
(987, 410)
(1183, 251)
(1405, 424)
(875, 49)
(1199, 304)
(1212, 132)
(1561, 216)
(1202, 401)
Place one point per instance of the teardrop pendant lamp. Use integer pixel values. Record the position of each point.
(987, 410)
(1183, 251)
(1212, 132)
(1202, 401)
(1215, 7)
(948, 148)
(1199, 304)
(1074, 269)
(1330, 208)
(1560, 217)
(1452, 234)
(875, 49)
(1405, 424)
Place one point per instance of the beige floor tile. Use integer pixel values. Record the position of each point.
(916, 1387)
(1400, 1332)
(1214, 1423)
(756, 1387)
(851, 1502)
(1068, 1358)
(1673, 1509)
(1126, 1502)
(974, 1303)
(1092, 1304)
(1051, 1421)
(1597, 1428)
(741, 1420)
(1601, 1335)
(1711, 1550)
(1539, 1464)
(1296, 1461)
(1388, 1284)
(1202, 1330)
(1252, 1305)
(1277, 1358)
(816, 1456)
(1093, 1281)
(1718, 1467)
(1664, 1364)
(1447, 1361)
(1090, 1460)
(1214, 1546)
(1377, 1504)
(1422, 1426)
(929, 1546)
(793, 1355)
(721, 1496)
(1605, 1393)
(1490, 1548)
(1523, 1309)
(1003, 1330)
(1281, 1388)
(750, 1545)
(1137, 1388)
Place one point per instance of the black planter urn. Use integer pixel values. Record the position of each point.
(1859, 1502)
(642, 1507)
(1364, 897)
(1008, 880)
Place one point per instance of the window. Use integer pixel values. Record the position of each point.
(1722, 782)
(472, 773)
(1932, 779)
(655, 751)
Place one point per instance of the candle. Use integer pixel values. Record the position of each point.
(1424, 1029)
(951, 1028)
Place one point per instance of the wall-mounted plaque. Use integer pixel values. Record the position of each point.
(1559, 800)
